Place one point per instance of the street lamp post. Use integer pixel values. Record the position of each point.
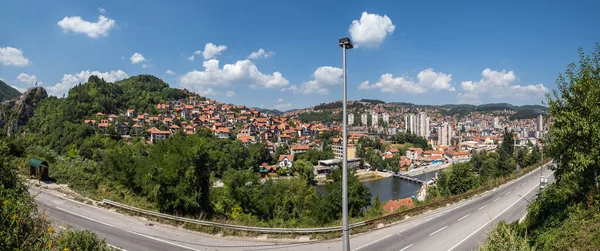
(345, 44)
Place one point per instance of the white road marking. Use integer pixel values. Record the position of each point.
(61, 227)
(511, 205)
(406, 247)
(507, 193)
(368, 244)
(438, 231)
(482, 207)
(517, 187)
(497, 199)
(85, 217)
(461, 218)
(523, 218)
(107, 224)
(115, 247)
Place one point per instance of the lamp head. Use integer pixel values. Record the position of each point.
(345, 43)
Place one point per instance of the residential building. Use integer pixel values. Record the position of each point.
(540, 123)
(496, 123)
(286, 161)
(351, 119)
(417, 124)
(374, 119)
(297, 149)
(444, 135)
(338, 151)
(414, 153)
(156, 134)
(363, 118)
(385, 117)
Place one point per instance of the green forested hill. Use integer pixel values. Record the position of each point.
(58, 123)
(7, 92)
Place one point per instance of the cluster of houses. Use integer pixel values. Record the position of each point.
(249, 125)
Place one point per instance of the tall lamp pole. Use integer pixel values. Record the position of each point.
(345, 44)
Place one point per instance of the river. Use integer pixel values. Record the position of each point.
(391, 188)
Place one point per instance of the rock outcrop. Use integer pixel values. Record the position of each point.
(16, 112)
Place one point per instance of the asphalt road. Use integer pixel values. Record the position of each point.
(461, 226)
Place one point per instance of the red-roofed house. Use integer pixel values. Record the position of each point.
(286, 161)
(296, 149)
(156, 134)
(414, 153)
(222, 133)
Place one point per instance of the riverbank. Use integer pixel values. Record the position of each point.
(368, 175)
(430, 168)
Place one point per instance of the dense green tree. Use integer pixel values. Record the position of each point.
(328, 206)
(305, 170)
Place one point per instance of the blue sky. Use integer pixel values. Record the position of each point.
(425, 52)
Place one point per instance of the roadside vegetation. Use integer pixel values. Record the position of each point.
(23, 228)
(565, 215)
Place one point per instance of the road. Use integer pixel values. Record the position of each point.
(460, 226)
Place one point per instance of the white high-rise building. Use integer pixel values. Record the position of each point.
(496, 123)
(363, 118)
(374, 119)
(351, 119)
(386, 118)
(418, 124)
(540, 123)
(444, 135)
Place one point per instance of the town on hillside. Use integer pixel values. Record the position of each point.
(410, 137)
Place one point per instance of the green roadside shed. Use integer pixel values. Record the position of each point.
(38, 168)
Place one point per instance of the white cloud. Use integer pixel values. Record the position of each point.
(170, 72)
(137, 58)
(370, 30)
(497, 84)
(325, 76)
(427, 80)
(261, 53)
(70, 80)
(78, 25)
(21, 90)
(365, 86)
(101, 10)
(191, 58)
(241, 72)
(280, 100)
(283, 106)
(211, 51)
(206, 92)
(229, 93)
(12, 56)
(28, 79)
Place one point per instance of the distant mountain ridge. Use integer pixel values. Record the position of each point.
(7, 92)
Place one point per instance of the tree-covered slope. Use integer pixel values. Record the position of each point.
(58, 123)
(7, 92)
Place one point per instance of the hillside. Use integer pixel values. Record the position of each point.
(7, 92)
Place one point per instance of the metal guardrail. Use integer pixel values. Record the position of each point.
(231, 226)
(319, 229)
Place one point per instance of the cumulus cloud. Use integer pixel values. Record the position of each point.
(137, 58)
(241, 72)
(170, 72)
(497, 84)
(77, 25)
(12, 56)
(229, 93)
(191, 58)
(70, 80)
(427, 80)
(211, 51)
(261, 53)
(324, 77)
(101, 10)
(28, 79)
(370, 30)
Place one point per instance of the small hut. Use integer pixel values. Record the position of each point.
(38, 168)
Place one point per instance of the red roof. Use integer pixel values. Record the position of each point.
(300, 147)
(154, 130)
(289, 157)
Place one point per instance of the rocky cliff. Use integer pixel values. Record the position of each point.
(16, 112)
